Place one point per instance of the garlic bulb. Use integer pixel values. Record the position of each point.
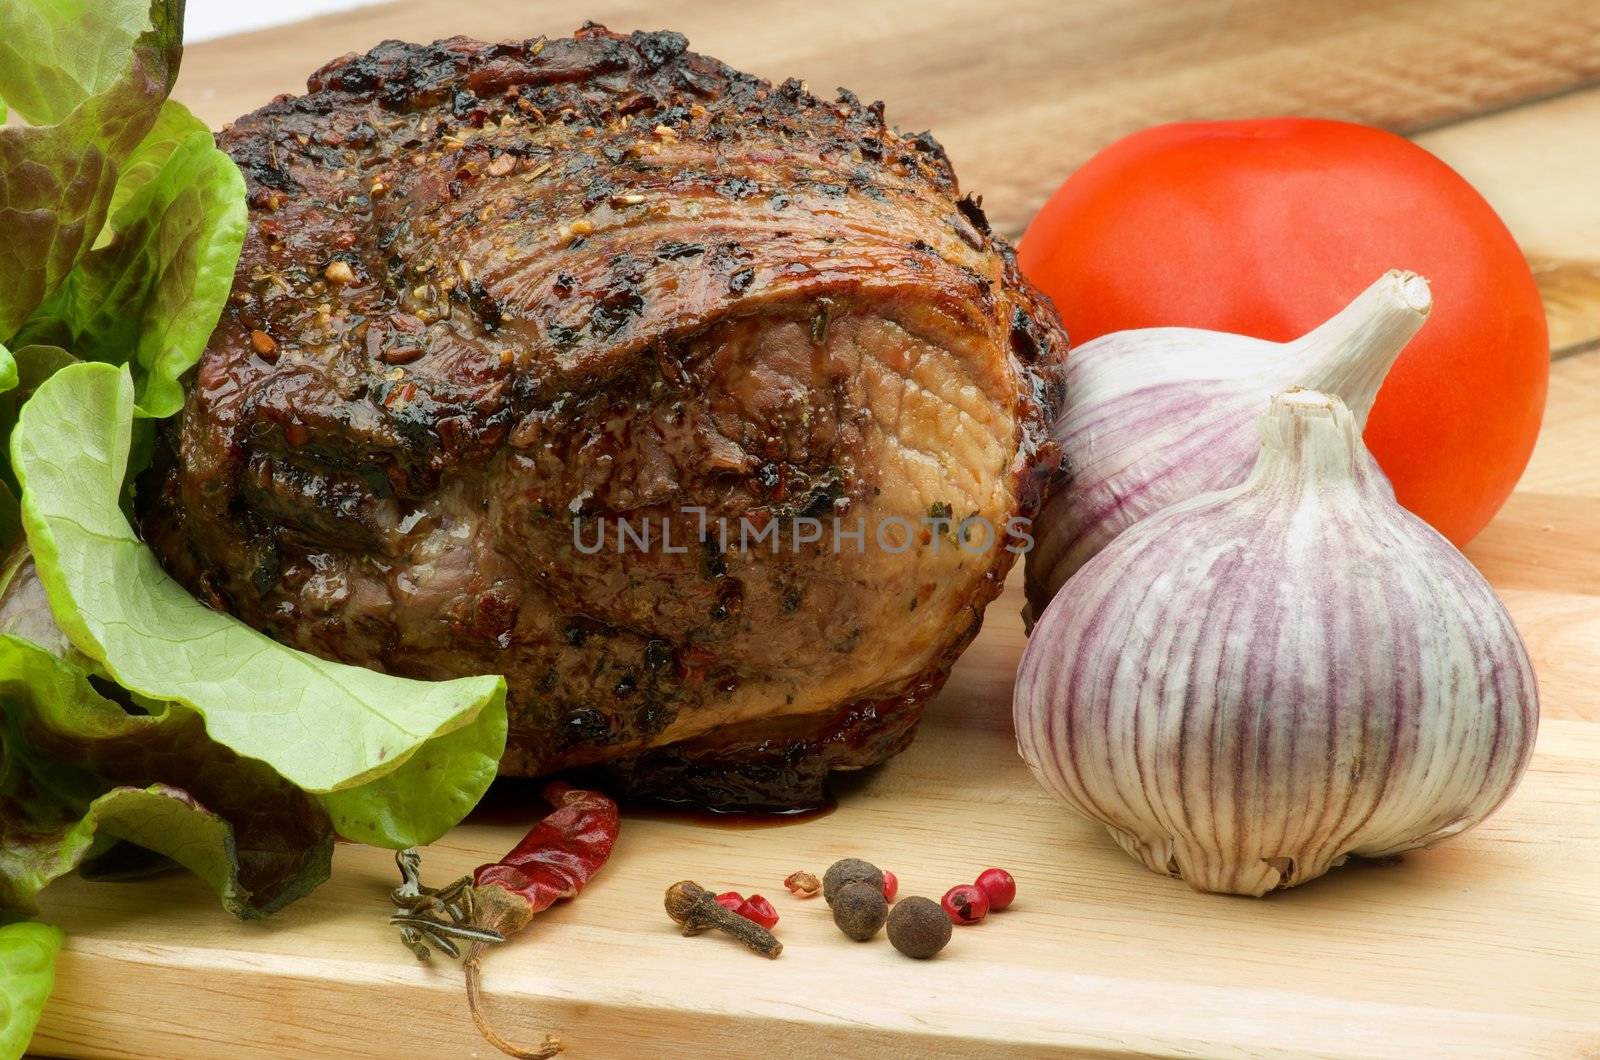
(1256, 683)
(1158, 415)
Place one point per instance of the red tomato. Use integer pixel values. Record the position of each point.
(1267, 228)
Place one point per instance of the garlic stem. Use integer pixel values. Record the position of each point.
(1156, 416)
(1307, 437)
(1351, 353)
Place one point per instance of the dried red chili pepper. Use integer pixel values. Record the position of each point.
(555, 860)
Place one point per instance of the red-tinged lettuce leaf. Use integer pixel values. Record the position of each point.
(54, 54)
(80, 772)
(151, 293)
(174, 125)
(27, 972)
(57, 180)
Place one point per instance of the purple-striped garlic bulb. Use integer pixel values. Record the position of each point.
(1158, 415)
(1259, 682)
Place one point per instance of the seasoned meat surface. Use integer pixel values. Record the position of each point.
(653, 386)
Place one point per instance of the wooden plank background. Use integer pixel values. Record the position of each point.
(1021, 92)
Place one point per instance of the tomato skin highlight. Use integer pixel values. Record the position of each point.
(1268, 227)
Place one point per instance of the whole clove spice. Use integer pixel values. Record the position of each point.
(695, 909)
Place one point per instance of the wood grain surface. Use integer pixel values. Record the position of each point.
(1024, 91)
(1021, 92)
(1486, 946)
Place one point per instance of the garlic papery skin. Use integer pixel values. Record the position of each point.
(1259, 682)
(1158, 415)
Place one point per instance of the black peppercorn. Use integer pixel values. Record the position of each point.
(918, 927)
(849, 870)
(859, 909)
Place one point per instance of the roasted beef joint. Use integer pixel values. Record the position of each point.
(705, 410)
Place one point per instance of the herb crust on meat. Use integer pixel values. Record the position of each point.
(497, 297)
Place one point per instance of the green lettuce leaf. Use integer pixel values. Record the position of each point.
(81, 771)
(155, 291)
(174, 124)
(30, 366)
(434, 789)
(57, 179)
(54, 54)
(396, 761)
(27, 972)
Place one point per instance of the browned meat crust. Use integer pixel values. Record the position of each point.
(494, 295)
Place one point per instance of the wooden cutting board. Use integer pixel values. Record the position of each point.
(1488, 945)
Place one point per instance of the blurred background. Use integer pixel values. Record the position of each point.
(208, 19)
(1022, 91)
